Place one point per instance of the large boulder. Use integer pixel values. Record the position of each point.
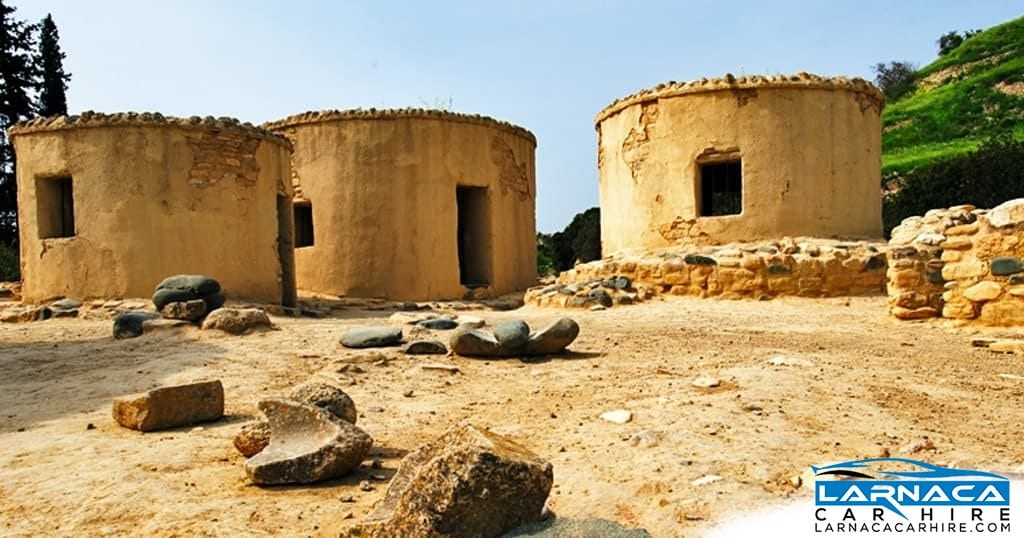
(307, 444)
(467, 483)
(184, 288)
(170, 407)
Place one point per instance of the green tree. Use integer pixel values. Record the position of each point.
(951, 40)
(53, 81)
(580, 240)
(895, 79)
(17, 79)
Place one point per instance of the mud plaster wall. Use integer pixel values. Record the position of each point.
(152, 199)
(810, 152)
(382, 187)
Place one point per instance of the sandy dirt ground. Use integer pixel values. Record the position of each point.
(860, 385)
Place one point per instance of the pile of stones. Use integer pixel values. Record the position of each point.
(514, 339)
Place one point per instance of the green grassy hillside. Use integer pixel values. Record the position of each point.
(971, 94)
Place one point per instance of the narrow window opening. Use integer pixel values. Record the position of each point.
(721, 189)
(55, 207)
(474, 236)
(303, 225)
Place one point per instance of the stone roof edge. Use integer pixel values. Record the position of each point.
(90, 119)
(730, 82)
(315, 116)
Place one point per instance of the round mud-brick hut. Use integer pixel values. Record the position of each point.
(740, 159)
(411, 204)
(109, 205)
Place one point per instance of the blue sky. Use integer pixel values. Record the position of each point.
(548, 66)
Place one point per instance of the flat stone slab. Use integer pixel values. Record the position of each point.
(438, 324)
(171, 407)
(469, 482)
(307, 444)
(364, 337)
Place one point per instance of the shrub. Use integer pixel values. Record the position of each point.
(10, 269)
(985, 177)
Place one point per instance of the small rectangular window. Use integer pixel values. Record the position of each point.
(55, 207)
(303, 225)
(721, 189)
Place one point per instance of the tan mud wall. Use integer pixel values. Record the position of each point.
(153, 197)
(960, 263)
(810, 152)
(382, 186)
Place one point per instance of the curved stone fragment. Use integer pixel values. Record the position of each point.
(554, 338)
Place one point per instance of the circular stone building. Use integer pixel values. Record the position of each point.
(411, 204)
(109, 205)
(740, 159)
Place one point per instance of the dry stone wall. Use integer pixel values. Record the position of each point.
(788, 267)
(960, 263)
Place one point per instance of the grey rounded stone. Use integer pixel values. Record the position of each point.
(199, 284)
(65, 304)
(622, 282)
(470, 342)
(512, 335)
(426, 347)
(554, 338)
(364, 337)
(1007, 265)
(164, 297)
(327, 397)
(129, 324)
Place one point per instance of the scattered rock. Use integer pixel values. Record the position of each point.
(619, 416)
(24, 314)
(237, 320)
(327, 397)
(426, 347)
(469, 482)
(365, 337)
(438, 324)
(473, 343)
(252, 438)
(706, 382)
(437, 366)
(781, 360)
(598, 308)
(130, 324)
(645, 438)
(188, 310)
(576, 528)
(622, 282)
(170, 407)
(917, 445)
(707, 479)
(307, 444)
(554, 338)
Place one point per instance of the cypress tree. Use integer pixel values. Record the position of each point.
(17, 79)
(53, 81)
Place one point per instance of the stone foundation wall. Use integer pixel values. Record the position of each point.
(790, 267)
(960, 263)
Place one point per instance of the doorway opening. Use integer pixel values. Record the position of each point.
(474, 236)
(55, 207)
